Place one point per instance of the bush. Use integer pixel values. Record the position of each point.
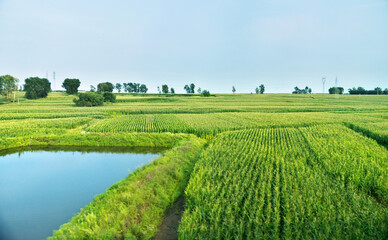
(89, 100)
(205, 93)
(109, 97)
(336, 90)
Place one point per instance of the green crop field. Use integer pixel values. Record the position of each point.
(272, 166)
(288, 183)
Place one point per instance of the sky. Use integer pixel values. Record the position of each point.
(214, 44)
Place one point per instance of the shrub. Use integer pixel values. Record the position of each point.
(205, 93)
(109, 97)
(89, 100)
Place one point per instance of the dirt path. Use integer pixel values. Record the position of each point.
(172, 217)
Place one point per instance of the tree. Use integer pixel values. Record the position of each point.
(71, 85)
(296, 90)
(36, 87)
(118, 87)
(385, 91)
(262, 88)
(187, 88)
(352, 90)
(130, 87)
(302, 91)
(233, 89)
(143, 88)
(92, 88)
(164, 88)
(125, 87)
(105, 87)
(336, 90)
(378, 90)
(89, 99)
(136, 87)
(109, 97)
(205, 93)
(172, 90)
(257, 90)
(8, 84)
(199, 90)
(192, 88)
(159, 90)
(361, 89)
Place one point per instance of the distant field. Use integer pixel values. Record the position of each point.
(275, 166)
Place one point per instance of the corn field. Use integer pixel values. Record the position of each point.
(270, 184)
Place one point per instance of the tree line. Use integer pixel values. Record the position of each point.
(363, 91)
(305, 90)
(359, 91)
(132, 87)
(36, 87)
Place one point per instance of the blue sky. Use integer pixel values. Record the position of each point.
(214, 44)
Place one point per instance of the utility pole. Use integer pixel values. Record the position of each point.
(323, 84)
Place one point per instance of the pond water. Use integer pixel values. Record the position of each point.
(41, 189)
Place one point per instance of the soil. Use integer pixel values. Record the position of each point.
(172, 217)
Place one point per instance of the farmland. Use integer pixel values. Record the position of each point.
(258, 166)
(270, 183)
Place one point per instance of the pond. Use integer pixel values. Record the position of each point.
(41, 189)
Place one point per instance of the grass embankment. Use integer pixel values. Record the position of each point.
(134, 207)
(96, 139)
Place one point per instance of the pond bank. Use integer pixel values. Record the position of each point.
(164, 140)
(134, 207)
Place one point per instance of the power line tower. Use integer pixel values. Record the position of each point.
(323, 84)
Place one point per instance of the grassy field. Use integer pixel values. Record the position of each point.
(273, 166)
